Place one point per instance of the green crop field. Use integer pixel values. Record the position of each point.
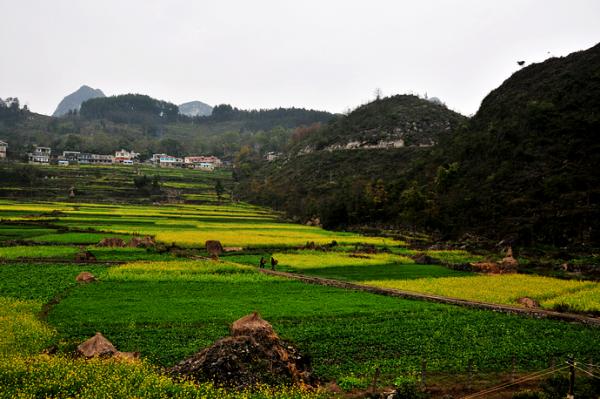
(170, 303)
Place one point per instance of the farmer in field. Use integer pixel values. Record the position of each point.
(273, 263)
(262, 262)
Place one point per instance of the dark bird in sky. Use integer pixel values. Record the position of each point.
(521, 63)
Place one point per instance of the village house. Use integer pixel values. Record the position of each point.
(125, 157)
(202, 162)
(40, 155)
(95, 159)
(272, 156)
(70, 156)
(3, 147)
(164, 160)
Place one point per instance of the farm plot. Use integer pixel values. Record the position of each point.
(169, 310)
(186, 225)
(399, 272)
(358, 267)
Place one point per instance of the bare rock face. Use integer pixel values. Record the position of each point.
(528, 302)
(112, 242)
(253, 355)
(97, 346)
(214, 247)
(85, 277)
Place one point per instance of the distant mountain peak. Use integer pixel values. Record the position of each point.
(73, 101)
(195, 108)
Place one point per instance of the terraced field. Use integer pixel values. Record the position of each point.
(168, 303)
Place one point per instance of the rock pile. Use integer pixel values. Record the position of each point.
(252, 355)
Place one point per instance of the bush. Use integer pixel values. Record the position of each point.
(352, 382)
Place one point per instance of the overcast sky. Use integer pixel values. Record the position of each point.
(322, 54)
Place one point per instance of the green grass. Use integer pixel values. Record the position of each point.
(38, 251)
(20, 232)
(29, 281)
(77, 238)
(168, 311)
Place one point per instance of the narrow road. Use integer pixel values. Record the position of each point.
(538, 313)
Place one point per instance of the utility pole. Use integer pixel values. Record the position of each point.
(571, 362)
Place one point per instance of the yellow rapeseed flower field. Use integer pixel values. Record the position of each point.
(505, 288)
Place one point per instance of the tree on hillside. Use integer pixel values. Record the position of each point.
(219, 189)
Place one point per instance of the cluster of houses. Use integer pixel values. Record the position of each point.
(43, 155)
(195, 162)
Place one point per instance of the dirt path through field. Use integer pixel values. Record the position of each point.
(538, 313)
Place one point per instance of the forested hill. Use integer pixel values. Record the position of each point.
(392, 122)
(528, 167)
(525, 168)
(353, 170)
(148, 125)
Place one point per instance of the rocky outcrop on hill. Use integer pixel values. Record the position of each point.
(387, 123)
(195, 108)
(74, 100)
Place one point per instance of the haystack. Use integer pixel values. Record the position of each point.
(528, 302)
(214, 247)
(97, 346)
(253, 325)
(142, 242)
(111, 242)
(253, 355)
(85, 277)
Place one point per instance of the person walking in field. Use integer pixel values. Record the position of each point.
(273, 263)
(262, 262)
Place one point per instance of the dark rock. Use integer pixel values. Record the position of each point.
(253, 355)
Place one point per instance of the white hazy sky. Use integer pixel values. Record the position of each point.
(322, 54)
